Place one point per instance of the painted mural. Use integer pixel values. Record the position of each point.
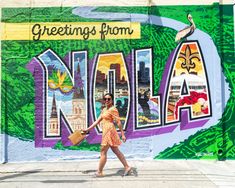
(170, 69)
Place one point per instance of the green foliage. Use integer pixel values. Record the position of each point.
(83, 146)
(46, 14)
(17, 118)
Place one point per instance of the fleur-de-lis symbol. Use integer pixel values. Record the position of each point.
(187, 56)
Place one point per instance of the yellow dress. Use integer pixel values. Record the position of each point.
(109, 133)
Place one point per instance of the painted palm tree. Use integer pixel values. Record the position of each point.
(187, 31)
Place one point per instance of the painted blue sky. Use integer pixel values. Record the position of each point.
(49, 58)
(143, 55)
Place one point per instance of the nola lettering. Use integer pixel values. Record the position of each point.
(78, 86)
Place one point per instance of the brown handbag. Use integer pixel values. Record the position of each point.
(77, 137)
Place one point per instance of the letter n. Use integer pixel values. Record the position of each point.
(60, 97)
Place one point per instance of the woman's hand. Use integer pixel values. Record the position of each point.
(85, 130)
(123, 138)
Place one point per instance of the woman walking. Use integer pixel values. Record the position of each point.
(110, 137)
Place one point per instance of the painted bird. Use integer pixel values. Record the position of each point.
(187, 31)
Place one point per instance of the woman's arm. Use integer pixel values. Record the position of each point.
(122, 132)
(93, 124)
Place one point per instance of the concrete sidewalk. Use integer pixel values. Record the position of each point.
(150, 173)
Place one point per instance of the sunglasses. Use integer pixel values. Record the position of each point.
(107, 99)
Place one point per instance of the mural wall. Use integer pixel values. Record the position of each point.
(170, 69)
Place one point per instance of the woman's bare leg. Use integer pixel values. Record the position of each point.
(103, 158)
(121, 157)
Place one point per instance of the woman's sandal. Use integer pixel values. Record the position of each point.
(98, 175)
(127, 172)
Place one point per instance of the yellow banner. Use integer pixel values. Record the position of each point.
(70, 30)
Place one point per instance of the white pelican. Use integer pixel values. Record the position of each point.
(187, 31)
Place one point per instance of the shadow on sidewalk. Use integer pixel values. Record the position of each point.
(64, 181)
(19, 174)
(119, 172)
